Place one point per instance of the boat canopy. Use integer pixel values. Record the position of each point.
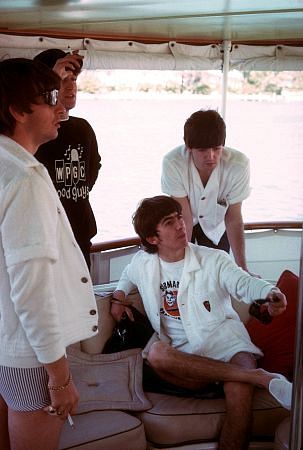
(159, 34)
(172, 55)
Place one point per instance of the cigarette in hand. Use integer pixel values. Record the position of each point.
(70, 421)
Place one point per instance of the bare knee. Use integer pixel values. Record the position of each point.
(244, 359)
(157, 355)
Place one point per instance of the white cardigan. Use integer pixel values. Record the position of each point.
(46, 295)
(208, 275)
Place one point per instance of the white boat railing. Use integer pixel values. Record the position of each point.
(271, 247)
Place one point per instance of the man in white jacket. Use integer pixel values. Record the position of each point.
(46, 296)
(186, 290)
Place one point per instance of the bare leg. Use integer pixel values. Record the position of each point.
(34, 430)
(238, 398)
(4, 437)
(193, 371)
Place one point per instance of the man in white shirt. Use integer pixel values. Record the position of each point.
(210, 181)
(46, 295)
(199, 338)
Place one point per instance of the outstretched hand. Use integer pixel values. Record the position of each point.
(276, 302)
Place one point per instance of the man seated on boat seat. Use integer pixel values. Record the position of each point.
(210, 181)
(186, 290)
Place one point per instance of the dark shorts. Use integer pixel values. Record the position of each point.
(198, 237)
(24, 389)
(153, 383)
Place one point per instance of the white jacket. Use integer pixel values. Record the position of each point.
(46, 295)
(208, 276)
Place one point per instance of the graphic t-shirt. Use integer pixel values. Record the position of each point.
(171, 321)
(73, 163)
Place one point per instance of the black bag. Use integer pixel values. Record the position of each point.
(129, 334)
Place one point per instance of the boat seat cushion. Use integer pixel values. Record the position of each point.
(277, 339)
(103, 430)
(282, 435)
(108, 381)
(178, 420)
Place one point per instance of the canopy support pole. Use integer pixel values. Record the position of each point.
(226, 51)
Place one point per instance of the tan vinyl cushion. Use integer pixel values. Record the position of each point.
(177, 420)
(103, 430)
(282, 435)
(110, 381)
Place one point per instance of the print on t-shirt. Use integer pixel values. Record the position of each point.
(169, 295)
(69, 172)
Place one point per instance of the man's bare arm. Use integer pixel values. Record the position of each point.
(235, 233)
(187, 215)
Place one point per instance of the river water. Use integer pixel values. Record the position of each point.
(135, 132)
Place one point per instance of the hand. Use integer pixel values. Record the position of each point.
(118, 310)
(63, 402)
(276, 302)
(70, 63)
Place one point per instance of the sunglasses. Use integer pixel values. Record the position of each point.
(50, 97)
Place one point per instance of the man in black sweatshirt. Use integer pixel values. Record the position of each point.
(72, 159)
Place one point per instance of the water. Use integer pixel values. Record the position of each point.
(134, 133)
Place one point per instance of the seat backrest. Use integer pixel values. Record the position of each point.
(106, 324)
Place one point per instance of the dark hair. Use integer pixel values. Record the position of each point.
(21, 81)
(149, 214)
(50, 57)
(204, 129)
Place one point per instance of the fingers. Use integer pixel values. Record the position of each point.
(70, 63)
(117, 311)
(60, 412)
(276, 303)
(129, 313)
(63, 402)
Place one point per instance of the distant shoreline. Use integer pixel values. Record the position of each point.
(295, 97)
(134, 133)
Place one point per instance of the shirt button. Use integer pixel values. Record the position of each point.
(93, 312)
(95, 328)
(203, 198)
(201, 217)
(84, 280)
(58, 210)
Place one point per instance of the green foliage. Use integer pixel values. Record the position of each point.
(273, 88)
(202, 89)
(193, 82)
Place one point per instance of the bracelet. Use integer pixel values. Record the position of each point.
(62, 386)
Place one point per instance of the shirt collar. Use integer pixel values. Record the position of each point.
(17, 151)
